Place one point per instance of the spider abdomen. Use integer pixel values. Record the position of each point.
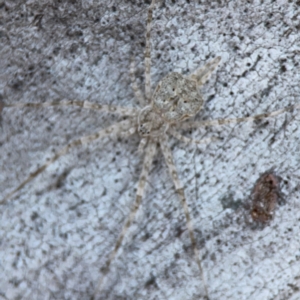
(176, 98)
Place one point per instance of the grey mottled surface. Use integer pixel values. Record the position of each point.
(56, 233)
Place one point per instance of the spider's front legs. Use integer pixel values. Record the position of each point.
(180, 191)
(115, 129)
(137, 92)
(193, 124)
(148, 53)
(123, 111)
(149, 154)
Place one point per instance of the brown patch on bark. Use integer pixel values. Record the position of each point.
(265, 196)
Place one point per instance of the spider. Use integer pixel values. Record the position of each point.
(175, 100)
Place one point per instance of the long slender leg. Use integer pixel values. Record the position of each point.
(114, 129)
(149, 154)
(124, 111)
(148, 54)
(142, 145)
(1, 108)
(180, 191)
(187, 140)
(137, 92)
(189, 125)
(202, 74)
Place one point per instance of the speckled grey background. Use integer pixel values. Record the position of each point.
(57, 232)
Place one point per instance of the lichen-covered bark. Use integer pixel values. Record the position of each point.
(57, 232)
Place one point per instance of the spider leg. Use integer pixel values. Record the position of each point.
(149, 154)
(137, 92)
(1, 108)
(114, 129)
(142, 145)
(187, 140)
(202, 74)
(189, 125)
(124, 111)
(148, 54)
(180, 191)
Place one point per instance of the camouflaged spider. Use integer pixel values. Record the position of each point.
(175, 99)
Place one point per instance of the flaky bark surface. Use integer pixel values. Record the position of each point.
(57, 232)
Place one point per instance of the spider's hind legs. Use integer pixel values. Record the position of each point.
(203, 74)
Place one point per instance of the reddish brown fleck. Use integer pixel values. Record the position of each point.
(265, 196)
